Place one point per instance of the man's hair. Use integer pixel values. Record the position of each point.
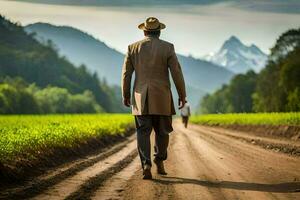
(152, 33)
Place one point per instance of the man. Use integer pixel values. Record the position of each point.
(152, 103)
(185, 113)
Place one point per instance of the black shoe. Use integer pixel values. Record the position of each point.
(147, 172)
(160, 167)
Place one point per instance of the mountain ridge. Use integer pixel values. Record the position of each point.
(238, 57)
(87, 44)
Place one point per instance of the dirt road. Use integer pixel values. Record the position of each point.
(204, 163)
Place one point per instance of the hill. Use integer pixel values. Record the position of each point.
(23, 56)
(82, 48)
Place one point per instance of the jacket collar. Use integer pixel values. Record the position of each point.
(151, 37)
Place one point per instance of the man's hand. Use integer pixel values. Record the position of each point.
(181, 103)
(126, 102)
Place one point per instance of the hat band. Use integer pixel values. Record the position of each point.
(156, 28)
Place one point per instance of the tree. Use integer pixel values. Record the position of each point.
(16, 100)
(234, 97)
(216, 102)
(240, 92)
(17, 97)
(277, 84)
(23, 56)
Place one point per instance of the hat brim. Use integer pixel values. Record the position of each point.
(142, 27)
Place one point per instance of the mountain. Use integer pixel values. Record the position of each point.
(21, 55)
(237, 57)
(203, 74)
(82, 48)
(79, 47)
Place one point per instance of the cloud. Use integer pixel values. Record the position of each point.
(286, 6)
(275, 6)
(124, 2)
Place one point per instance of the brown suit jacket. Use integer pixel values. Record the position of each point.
(151, 59)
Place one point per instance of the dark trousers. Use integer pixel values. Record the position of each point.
(185, 121)
(162, 126)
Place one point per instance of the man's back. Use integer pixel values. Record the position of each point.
(151, 59)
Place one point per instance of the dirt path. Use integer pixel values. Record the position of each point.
(204, 163)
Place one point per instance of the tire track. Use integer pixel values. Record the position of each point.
(217, 170)
(53, 177)
(113, 187)
(87, 190)
(201, 171)
(278, 145)
(73, 183)
(248, 153)
(264, 175)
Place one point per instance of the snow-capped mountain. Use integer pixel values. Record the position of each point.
(238, 57)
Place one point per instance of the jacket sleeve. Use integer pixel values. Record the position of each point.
(127, 71)
(176, 73)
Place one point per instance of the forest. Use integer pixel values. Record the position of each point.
(276, 88)
(35, 79)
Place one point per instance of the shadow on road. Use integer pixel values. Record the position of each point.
(279, 187)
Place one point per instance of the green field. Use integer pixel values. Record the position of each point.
(25, 136)
(248, 119)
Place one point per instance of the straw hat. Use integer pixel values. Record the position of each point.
(151, 24)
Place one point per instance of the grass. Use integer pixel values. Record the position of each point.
(25, 136)
(248, 119)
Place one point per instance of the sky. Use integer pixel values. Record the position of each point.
(196, 27)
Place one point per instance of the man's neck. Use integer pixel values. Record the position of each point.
(152, 36)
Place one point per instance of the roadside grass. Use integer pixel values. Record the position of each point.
(23, 137)
(292, 118)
